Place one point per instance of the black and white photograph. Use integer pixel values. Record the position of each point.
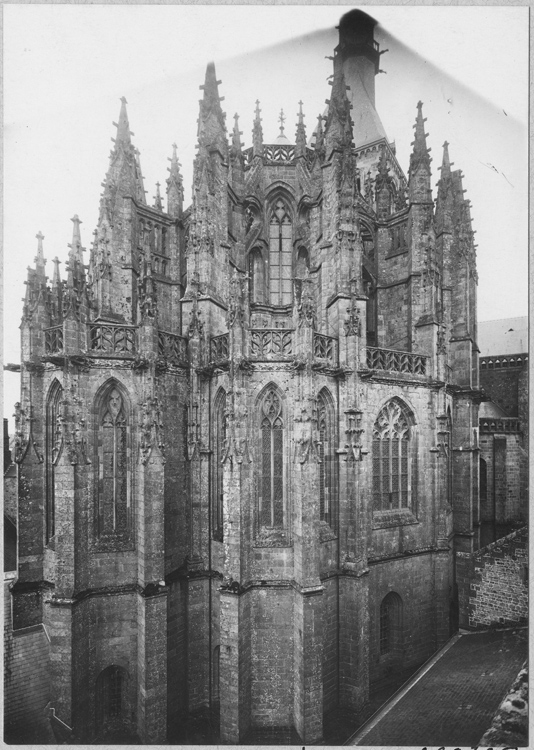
(265, 349)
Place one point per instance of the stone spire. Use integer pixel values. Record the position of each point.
(257, 132)
(300, 137)
(445, 198)
(211, 125)
(158, 205)
(123, 177)
(419, 174)
(175, 188)
(75, 285)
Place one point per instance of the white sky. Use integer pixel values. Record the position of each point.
(66, 66)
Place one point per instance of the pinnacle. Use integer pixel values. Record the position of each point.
(123, 126)
(236, 134)
(420, 136)
(157, 199)
(56, 280)
(39, 258)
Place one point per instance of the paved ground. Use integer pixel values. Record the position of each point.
(452, 703)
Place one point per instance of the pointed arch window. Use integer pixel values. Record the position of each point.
(327, 478)
(392, 458)
(257, 276)
(114, 492)
(272, 461)
(111, 698)
(53, 441)
(280, 252)
(219, 439)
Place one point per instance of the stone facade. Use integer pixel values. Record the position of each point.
(247, 440)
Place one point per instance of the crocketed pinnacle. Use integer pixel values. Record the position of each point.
(124, 174)
(257, 132)
(56, 279)
(420, 151)
(300, 137)
(175, 189)
(123, 126)
(76, 272)
(444, 201)
(236, 135)
(158, 205)
(211, 125)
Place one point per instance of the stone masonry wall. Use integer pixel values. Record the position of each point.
(492, 583)
(26, 676)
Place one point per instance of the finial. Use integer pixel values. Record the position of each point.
(281, 119)
(258, 110)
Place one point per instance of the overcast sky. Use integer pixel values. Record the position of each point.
(66, 67)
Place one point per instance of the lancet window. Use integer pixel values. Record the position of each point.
(219, 439)
(114, 502)
(53, 440)
(327, 478)
(280, 255)
(272, 461)
(256, 271)
(111, 696)
(392, 449)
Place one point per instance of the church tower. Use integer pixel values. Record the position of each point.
(246, 440)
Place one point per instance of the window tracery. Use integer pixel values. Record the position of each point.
(53, 441)
(327, 489)
(114, 511)
(280, 255)
(392, 458)
(218, 470)
(272, 461)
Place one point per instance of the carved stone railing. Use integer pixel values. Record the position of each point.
(325, 347)
(500, 424)
(276, 153)
(271, 343)
(172, 347)
(391, 360)
(109, 338)
(505, 360)
(219, 347)
(54, 340)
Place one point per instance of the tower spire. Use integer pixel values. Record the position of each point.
(211, 125)
(300, 137)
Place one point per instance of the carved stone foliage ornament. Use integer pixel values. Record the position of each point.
(354, 431)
